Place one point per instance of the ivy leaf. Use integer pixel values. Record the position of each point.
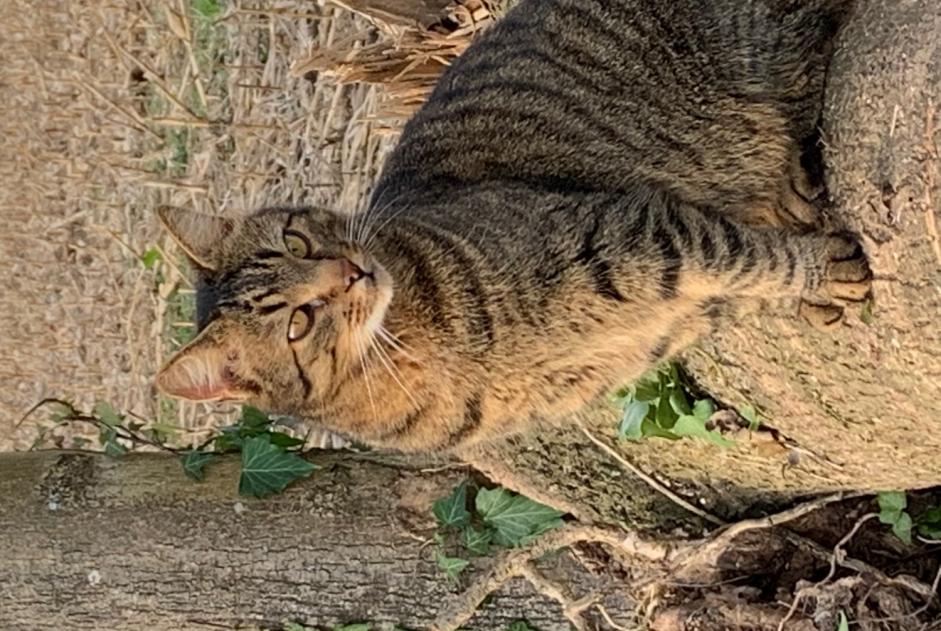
(149, 258)
(902, 528)
(929, 523)
(194, 462)
(79, 442)
(844, 624)
(514, 518)
(692, 426)
(108, 437)
(666, 416)
(892, 506)
(679, 403)
(647, 388)
(268, 469)
(452, 510)
(891, 503)
(866, 314)
(477, 541)
(228, 440)
(106, 414)
(285, 441)
(749, 413)
(62, 411)
(492, 501)
(703, 409)
(540, 530)
(253, 418)
(633, 419)
(452, 566)
(650, 428)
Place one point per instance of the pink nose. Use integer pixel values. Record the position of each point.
(350, 272)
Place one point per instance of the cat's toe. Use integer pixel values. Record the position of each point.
(822, 317)
(848, 276)
(796, 211)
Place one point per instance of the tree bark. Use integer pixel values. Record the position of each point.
(89, 542)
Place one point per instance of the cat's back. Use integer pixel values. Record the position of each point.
(702, 98)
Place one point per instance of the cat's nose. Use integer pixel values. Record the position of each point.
(350, 272)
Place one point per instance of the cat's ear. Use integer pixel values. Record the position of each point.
(206, 369)
(197, 233)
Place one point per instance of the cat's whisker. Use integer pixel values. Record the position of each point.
(362, 222)
(393, 371)
(371, 213)
(349, 225)
(392, 337)
(360, 219)
(396, 344)
(368, 241)
(362, 363)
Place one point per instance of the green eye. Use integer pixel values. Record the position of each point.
(302, 321)
(297, 244)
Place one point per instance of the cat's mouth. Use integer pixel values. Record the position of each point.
(377, 285)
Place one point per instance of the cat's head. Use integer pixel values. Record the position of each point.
(286, 302)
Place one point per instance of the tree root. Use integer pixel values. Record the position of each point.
(666, 561)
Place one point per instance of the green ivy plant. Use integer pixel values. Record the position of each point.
(892, 505)
(498, 517)
(843, 624)
(661, 404)
(893, 511)
(270, 458)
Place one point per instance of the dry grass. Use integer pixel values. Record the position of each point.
(406, 61)
(111, 109)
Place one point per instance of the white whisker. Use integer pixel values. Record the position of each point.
(396, 343)
(393, 371)
(371, 236)
(367, 215)
(362, 363)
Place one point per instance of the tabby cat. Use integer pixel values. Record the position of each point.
(570, 207)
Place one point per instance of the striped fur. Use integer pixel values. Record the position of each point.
(569, 208)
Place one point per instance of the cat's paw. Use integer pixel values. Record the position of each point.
(845, 277)
(797, 198)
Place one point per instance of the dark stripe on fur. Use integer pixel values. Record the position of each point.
(423, 280)
(269, 309)
(476, 315)
(590, 255)
(471, 422)
(671, 259)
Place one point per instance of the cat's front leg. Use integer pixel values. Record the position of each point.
(733, 261)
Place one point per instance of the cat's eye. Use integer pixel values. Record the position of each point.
(297, 244)
(302, 320)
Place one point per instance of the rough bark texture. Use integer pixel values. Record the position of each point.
(89, 542)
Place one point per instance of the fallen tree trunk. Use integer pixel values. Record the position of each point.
(89, 542)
